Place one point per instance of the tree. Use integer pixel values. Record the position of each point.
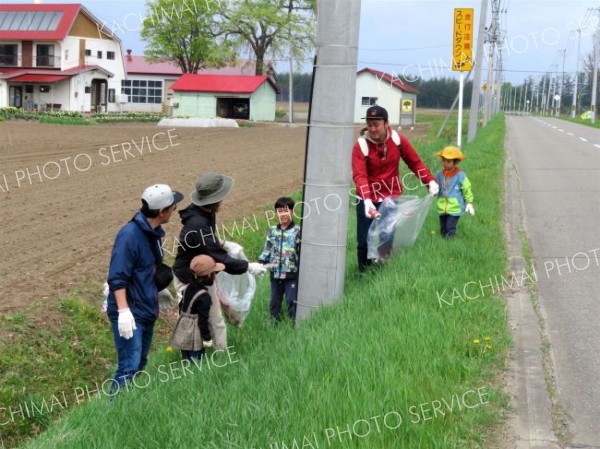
(269, 26)
(183, 32)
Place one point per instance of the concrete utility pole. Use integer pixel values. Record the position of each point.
(562, 81)
(595, 72)
(476, 89)
(291, 93)
(327, 170)
(492, 37)
(574, 105)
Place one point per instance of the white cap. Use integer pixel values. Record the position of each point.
(160, 196)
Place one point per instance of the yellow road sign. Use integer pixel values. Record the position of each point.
(462, 40)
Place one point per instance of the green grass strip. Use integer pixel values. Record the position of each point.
(390, 365)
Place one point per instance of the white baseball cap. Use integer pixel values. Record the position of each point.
(160, 196)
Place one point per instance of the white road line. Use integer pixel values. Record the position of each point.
(596, 145)
(554, 127)
(583, 139)
(561, 130)
(570, 134)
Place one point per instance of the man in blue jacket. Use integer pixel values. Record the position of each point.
(133, 297)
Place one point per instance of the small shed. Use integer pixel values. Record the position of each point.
(386, 90)
(226, 96)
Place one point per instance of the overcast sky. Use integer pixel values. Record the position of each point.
(412, 38)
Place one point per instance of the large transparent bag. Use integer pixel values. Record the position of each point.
(235, 293)
(401, 221)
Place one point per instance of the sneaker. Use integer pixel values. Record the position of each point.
(207, 343)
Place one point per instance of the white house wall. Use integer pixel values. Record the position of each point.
(388, 96)
(263, 103)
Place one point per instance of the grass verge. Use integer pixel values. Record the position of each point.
(408, 359)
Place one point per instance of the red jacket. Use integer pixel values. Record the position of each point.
(377, 177)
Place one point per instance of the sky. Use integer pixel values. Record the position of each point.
(412, 39)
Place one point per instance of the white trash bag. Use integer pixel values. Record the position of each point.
(235, 293)
(401, 221)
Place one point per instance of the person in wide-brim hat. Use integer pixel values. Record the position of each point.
(211, 188)
(199, 236)
(452, 153)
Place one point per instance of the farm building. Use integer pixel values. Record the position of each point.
(155, 80)
(57, 57)
(227, 96)
(386, 90)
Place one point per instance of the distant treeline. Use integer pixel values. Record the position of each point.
(433, 93)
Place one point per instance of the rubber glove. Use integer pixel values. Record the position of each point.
(126, 323)
(256, 269)
(369, 206)
(233, 249)
(434, 188)
(469, 209)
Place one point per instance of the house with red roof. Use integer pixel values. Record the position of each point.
(387, 90)
(58, 57)
(228, 96)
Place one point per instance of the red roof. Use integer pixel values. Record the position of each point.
(391, 79)
(69, 13)
(39, 78)
(234, 84)
(139, 65)
(22, 75)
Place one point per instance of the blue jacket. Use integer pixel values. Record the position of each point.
(132, 267)
(282, 248)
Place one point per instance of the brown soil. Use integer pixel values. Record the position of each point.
(58, 233)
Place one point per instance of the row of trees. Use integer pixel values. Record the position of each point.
(436, 93)
(200, 34)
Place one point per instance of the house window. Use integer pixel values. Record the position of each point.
(110, 55)
(142, 91)
(99, 54)
(8, 54)
(88, 52)
(111, 95)
(44, 55)
(369, 101)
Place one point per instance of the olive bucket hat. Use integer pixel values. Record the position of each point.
(211, 188)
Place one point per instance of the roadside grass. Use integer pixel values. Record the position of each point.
(390, 365)
(586, 122)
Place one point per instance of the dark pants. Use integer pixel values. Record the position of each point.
(280, 287)
(190, 355)
(362, 233)
(448, 225)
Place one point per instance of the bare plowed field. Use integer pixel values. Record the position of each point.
(65, 192)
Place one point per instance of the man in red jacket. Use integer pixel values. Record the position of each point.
(376, 157)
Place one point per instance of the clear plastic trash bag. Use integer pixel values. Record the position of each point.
(401, 221)
(235, 293)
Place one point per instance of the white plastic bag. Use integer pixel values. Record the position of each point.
(235, 293)
(401, 221)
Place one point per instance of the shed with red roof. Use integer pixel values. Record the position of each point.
(227, 96)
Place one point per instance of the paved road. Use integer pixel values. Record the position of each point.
(559, 171)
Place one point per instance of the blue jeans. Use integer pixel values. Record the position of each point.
(132, 354)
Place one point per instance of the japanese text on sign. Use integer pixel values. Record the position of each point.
(462, 40)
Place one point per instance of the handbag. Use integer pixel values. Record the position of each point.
(186, 335)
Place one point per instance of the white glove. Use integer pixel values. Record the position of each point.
(126, 323)
(233, 249)
(256, 269)
(434, 188)
(469, 209)
(368, 207)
